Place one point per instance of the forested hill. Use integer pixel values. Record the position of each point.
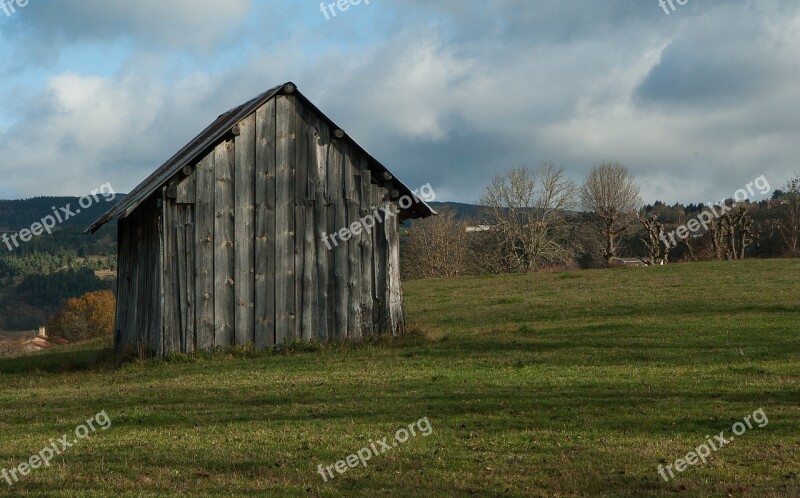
(18, 214)
(37, 276)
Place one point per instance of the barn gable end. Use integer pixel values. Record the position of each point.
(229, 249)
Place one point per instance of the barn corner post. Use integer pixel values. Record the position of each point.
(122, 279)
(395, 293)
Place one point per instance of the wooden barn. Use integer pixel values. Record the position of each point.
(226, 243)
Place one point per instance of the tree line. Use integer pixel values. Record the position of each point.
(533, 219)
(51, 290)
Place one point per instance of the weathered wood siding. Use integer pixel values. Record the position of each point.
(138, 328)
(238, 253)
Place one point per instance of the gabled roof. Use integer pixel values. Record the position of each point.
(219, 129)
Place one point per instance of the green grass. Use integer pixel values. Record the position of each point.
(572, 384)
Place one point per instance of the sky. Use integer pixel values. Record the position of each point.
(697, 101)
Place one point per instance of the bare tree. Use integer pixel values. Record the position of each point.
(716, 231)
(437, 247)
(740, 232)
(790, 216)
(586, 234)
(731, 234)
(525, 209)
(687, 242)
(611, 193)
(658, 253)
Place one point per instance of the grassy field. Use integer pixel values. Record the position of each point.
(571, 384)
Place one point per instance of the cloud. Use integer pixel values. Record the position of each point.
(86, 131)
(176, 23)
(724, 60)
(46, 32)
(454, 92)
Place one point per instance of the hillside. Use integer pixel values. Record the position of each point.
(566, 384)
(37, 276)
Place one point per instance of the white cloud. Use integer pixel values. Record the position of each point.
(91, 130)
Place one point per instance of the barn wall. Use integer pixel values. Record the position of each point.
(244, 259)
(138, 319)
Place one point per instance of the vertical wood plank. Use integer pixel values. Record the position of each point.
(322, 143)
(366, 279)
(224, 264)
(121, 326)
(137, 329)
(300, 200)
(158, 300)
(310, 300)
(395, 295)
(167, 294)
(204, 254)
(126, 343)
(310, 281)
(341, 254)
(380, 312)
(265, 226)
(179, 260)
(354, 246)
(188, 334)
(174, 277)
(333, 195)
(244, 231)
(141, 290)
(285, 220)
(299, 252)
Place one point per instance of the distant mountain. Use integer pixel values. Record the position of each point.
(463, 212)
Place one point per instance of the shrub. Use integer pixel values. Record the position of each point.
(85, 317)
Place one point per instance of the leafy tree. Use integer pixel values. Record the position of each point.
(86, 317)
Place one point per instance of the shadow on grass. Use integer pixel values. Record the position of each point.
(91, 356)
(99, 355)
